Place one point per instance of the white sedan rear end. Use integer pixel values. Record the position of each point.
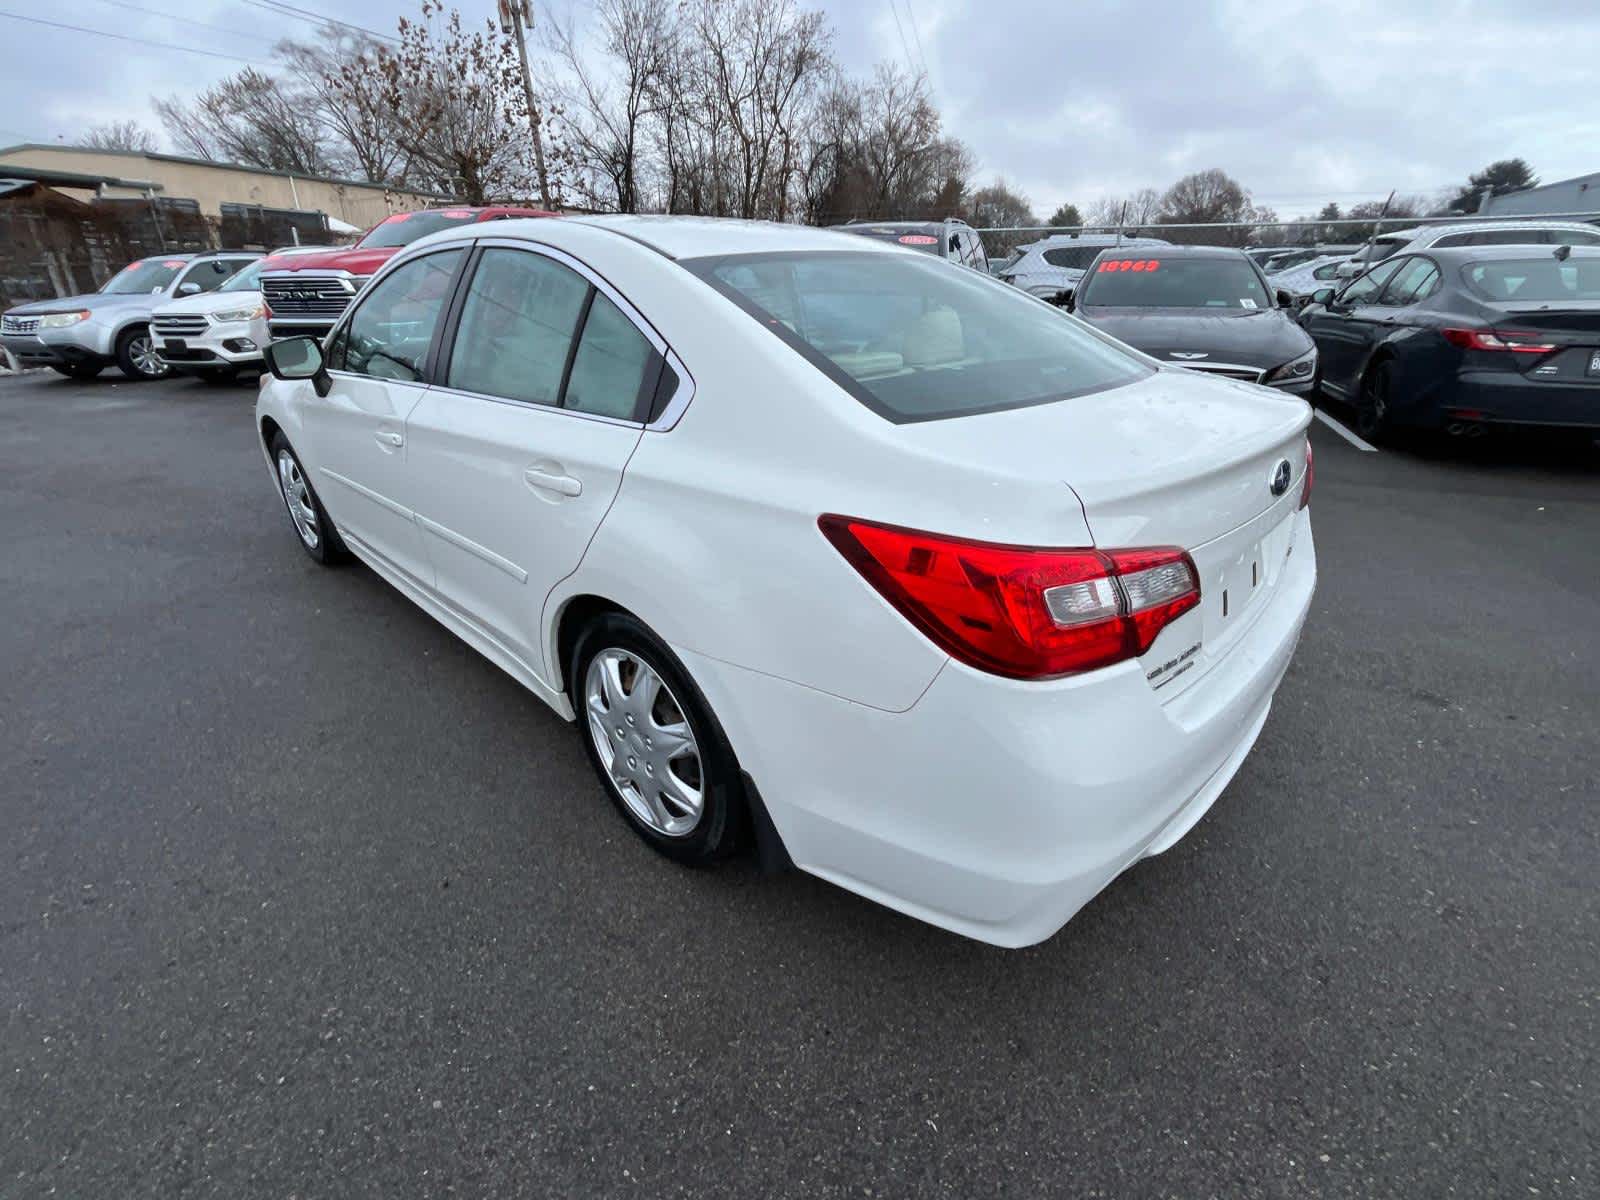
(828, 546)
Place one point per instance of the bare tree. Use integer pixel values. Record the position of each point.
(607, 108)
(119, 135)
(1131, 212)
(251, 118)
(337, 77)
(458, 106)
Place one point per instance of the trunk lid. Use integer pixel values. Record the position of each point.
(1177, 459)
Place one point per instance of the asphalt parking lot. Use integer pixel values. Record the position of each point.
(300, 897)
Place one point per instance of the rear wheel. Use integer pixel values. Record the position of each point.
(1373, 420)
(78, 370)
(137, 357)
(651, 737)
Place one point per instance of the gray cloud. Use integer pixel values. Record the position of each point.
(1302, 102)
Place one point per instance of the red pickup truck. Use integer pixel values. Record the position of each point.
(307, 293)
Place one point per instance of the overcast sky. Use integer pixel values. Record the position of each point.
(1067, 99)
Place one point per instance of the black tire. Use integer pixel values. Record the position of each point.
(721, 822)
(78, 370)
(326, 546)
(1373, 420)
(135, 346)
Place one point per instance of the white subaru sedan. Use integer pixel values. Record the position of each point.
(882, 567)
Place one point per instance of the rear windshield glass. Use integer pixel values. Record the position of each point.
(146, 275)
(1173, 283)
(1535, 279)
(404, 228)
(1075, 257)
(917, 340)
(918, 237)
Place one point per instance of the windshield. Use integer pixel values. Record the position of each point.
(1535, 280)
(1173, 283)
(918, 237)
(247, 280)
(915, 341)
(1379, 250)
(404, 228)
(146, 275)
(996, 266)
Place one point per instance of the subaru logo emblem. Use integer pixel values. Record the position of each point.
(1282, 476)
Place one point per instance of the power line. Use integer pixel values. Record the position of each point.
(122, 37)
(911, 19)
(289, 10)
(238, 33)
(905, 46)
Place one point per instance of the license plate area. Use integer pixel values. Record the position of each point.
(174, 344)
(1594, 362)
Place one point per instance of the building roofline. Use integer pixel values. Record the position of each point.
(50, 176)
(224, 166)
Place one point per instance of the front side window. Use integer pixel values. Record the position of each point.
(1326, 271)
(144, 276)
(388, 335)
(247, 280)
(1156, 282)
(516, 327)
(211, 273)
(1414, 279)
(916, 341)
(1366, 288)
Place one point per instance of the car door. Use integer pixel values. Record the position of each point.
(1346, 327)
(519, 448)
(355, 443)
(1414, 282)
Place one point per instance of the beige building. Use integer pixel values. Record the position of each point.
(215, 185)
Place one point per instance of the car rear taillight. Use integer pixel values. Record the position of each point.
(1021, 611)
(1311, 474)
(1514, 340)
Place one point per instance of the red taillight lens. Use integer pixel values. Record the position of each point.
(1021, 611)
(1311, 474)
(1514, 340)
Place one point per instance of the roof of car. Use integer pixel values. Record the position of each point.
(701, 237)
(1417, 231)
(1492, 253)
(1177, 252)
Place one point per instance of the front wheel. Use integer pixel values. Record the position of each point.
(137, 357)
(651, 737)
(318, 537)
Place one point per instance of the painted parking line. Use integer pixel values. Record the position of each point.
(1347, 435)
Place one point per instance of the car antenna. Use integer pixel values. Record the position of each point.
(1562, 253)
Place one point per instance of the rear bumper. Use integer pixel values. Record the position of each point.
(996, 808)
(1497, 397)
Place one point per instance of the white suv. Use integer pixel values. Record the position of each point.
(216, 334)
(951, 239)
(1469, 233)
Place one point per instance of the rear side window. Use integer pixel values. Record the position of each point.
(1075, 258)
(612, 366)
(516, 327)
(389, 333)
(916, 341)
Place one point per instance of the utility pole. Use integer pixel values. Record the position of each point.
(515, 16)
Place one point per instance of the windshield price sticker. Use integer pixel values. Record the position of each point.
(1131, 264)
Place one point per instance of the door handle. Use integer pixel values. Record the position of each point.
(390, 438)
(553, 481)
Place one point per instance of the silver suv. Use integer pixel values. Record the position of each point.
(80, 336)
(1531, 232)
(1051, 267)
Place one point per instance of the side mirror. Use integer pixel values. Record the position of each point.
(299, 358)
(1323, 296)
(188, 289)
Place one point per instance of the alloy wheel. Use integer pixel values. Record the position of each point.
(142, 353)
(297, 496)
(644, 742)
